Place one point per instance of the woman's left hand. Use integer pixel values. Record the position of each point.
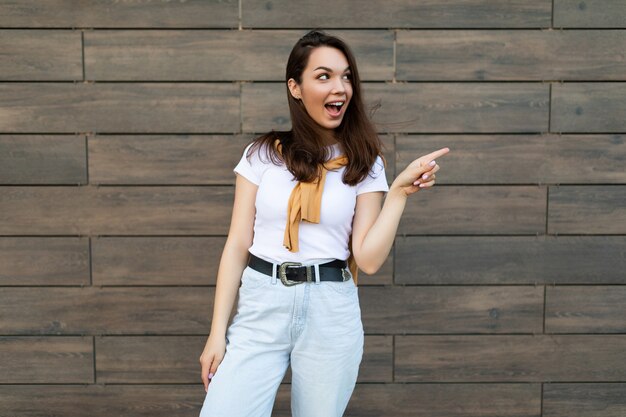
(411, 180)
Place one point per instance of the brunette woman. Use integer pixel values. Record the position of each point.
(307, 215)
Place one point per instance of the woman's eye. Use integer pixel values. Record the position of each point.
(346, 76)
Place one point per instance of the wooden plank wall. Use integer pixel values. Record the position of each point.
(120, 123)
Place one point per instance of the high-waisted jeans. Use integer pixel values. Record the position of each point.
(316, 327)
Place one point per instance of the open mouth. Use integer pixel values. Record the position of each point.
(334, 107)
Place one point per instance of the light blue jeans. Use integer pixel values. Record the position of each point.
(316, 327)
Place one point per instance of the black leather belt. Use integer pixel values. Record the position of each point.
(292, 273)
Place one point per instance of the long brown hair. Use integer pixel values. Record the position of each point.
(303, 147)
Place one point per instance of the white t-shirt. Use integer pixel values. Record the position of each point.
(318, 242)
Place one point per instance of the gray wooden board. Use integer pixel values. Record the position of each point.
(44, 261)
(119, 107)
(510, 358)
(118, 210)
(481, 260)
(114, 14)
(397, 13)
(43, 159)
(510, 55)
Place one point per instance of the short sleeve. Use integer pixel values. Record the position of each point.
(249, 169)
(376, 179)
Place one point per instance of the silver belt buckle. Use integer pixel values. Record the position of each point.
(345, 274)
(282, 268)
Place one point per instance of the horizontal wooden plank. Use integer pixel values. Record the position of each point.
(399, 13)
(174, 359)
(119, 107)
(452, 309)
(590, 13)
(445, 400)
(165, 159)
(520, 159)
(504, 358)
(185, 400)
(103, 400)
(515, 55)
(423, 107)
(148, 359)
(218, 55)
(44, 261)
(102, 311)
(36, 360)
(172, 261)
(40, 55)
(177, 159)
(115, 210)
(582, 400)
(46, 159)
(586, 309)
(156, 260)
(588, 107)
(543, 259)
(476, 210)
(104, 14)
(587, 209)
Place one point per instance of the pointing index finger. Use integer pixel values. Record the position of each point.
(434, 155)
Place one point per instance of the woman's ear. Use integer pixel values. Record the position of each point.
(294, 88)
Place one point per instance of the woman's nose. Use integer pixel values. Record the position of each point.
(338, 86)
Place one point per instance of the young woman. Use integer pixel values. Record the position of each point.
(307, 214)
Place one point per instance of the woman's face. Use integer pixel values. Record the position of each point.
(326, 79)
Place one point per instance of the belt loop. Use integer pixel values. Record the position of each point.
(274, 267)
(317, 273)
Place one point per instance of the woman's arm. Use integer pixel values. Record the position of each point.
(373, 228)
(235, 254)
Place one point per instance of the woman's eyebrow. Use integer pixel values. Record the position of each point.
(329, 70)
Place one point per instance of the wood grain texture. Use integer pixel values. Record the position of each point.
(586, 309)
(445, 400)
(37, 360)
(417, 310)
(114, 14)
(103, 400)
(581, 400)
(218, 55)
(165, 159)
(587, 209)
(40, 54)
(588, 107)
(590, 13)
(119, 107)
(185, 400)
(115, 210)
(397, 13)
(480, 260)
(504, 358)
(476, 210)
(156, 261)
(45, 159)
(521, 159)
(106, 311)
(148, 359)
(44, 261)
(423, 107)
(174, 359)
(511, 55)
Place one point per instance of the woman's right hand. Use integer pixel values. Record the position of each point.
(211, 357)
